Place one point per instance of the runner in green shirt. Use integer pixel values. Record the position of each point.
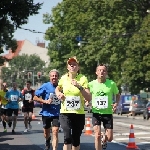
(102, 91)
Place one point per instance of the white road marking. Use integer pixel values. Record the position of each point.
(126, 134)
(142, 143)
(135, 126)
(118, 143)
(143, 137)
(121, 139)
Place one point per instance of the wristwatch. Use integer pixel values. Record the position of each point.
(80, 88)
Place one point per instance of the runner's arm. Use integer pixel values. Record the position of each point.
(86, 93)
(58, 90)
(38, 99)
(7, 96)
(0, 100)
(21, 97)
(33, 94)
(117, 99)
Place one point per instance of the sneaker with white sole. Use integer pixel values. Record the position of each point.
(103, 143)
(47, 144)
(26, 130)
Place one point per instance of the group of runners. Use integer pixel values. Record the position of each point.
(63, 101)
(9, 100)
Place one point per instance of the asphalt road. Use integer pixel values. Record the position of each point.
(34, 139)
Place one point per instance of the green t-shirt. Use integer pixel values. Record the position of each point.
(102, 96)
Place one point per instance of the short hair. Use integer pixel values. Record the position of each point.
(54, 70)
(29, 82)
(102, 65)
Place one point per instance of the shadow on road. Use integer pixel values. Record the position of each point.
(19, 147)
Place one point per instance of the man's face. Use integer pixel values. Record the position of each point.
(4, 86)
(28, 85)
(14, 85)
(101, 72)
(54, 77)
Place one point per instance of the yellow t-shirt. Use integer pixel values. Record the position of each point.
(2, 97)
(70, 91)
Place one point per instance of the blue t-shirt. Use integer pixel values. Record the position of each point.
(13, 96)
(47, 91)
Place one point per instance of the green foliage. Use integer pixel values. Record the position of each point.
(107, 26)
(13, 14)
(19, 68)
(137, 64)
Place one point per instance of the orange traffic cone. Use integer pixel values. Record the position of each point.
(131, 144)
(88, 130)
(33, 116)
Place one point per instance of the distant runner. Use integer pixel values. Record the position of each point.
(28, 104)
(3, 102)
(13, 96)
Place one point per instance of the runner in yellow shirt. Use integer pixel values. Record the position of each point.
(3, 102)
(72, 89)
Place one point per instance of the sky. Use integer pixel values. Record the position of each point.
(36, 23)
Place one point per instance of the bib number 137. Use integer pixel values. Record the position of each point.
(101, 102)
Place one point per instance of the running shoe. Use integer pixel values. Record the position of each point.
(47, 144)
(103, 143)
(26, 130)
(13, 131)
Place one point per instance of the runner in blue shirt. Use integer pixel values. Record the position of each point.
(13, 96)
(50, 110)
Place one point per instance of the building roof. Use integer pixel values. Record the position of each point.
(10, 54)
(20, 45)
(26, 47)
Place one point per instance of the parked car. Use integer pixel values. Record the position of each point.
(123, 108)
(140, 106)
(146, 112)
(124, 104)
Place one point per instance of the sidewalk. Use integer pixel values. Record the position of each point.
(17, 141)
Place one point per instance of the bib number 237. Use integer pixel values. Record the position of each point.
(72, 102)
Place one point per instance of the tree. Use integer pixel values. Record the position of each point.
(13, 14)
(137, 65)
(22, 68)
(105, 28)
